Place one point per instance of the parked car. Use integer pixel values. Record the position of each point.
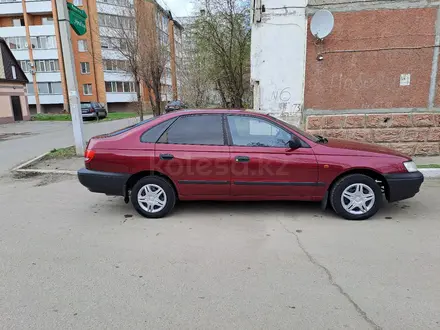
(93, 110)
(243, 156)
(174, 105)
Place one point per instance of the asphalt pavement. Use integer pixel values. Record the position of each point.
(70, 259)
(25, 140)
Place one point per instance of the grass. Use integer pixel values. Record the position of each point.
(51, 117)
(429, 166)
(66, 116)
(67, 152)
(120, 115)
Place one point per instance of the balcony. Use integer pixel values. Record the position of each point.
(117, 76)
(12, 31)
(32, 7)
(120, 97)
(45, 77)
(47, 99)
(42, 30)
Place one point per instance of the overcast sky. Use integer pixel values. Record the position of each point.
(178, 7)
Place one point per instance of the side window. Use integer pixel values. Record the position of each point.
(255, 132)
(196, 129)
(154, 133)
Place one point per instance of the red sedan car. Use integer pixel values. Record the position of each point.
(242, 156)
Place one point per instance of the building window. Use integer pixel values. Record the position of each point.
(77, 2)
(115, 65)
(16, 43)
(43, 42)
(30, 88)
(41, 65)
(82, 45)
(85, 67)
(24, 66)
(87, 89)
(119, 87)
(47, 20)
(14, 73)
(46, 88)
(18, 22)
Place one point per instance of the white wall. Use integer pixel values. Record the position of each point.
(278, 59)
(117, 76)
(121, 97)
(47, 99)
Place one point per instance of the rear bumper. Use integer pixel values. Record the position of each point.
(403, 185)
(89, 115)
(103, 182)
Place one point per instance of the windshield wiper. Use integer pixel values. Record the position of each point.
(321, 139)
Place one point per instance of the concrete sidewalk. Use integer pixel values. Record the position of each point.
(427, 160)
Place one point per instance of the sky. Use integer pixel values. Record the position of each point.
(179, 8)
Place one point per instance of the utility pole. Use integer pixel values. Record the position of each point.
(69, 67)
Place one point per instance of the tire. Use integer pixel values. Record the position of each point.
(362, 197)
(155, 185)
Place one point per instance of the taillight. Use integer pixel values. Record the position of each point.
(88, 155)
(91, 110)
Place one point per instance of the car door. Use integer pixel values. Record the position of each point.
(263, 165)
(193, 152)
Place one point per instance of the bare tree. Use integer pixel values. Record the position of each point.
(222, 34)
(122, 35)
(154, 51)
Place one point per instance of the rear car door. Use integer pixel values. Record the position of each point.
(194, 154)
(263, 165)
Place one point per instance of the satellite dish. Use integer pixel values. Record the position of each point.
(322, 24)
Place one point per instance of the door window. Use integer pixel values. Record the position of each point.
(154, 133)
(198, 129)
(255, 132)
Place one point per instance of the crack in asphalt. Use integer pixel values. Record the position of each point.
(315, 262)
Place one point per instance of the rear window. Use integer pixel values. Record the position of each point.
(126, 129)
(85, 105)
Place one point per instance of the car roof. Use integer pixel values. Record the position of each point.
(208, 111)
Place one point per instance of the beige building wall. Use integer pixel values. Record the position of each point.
(8, 89)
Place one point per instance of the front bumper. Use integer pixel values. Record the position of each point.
(403, 185)
(103, 182)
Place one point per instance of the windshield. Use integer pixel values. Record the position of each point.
(297, 130)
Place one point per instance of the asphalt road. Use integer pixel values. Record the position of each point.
(70, 259)
(32, 139)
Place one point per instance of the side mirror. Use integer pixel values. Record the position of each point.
(295, 143)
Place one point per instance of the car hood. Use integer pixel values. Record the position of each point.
(363, 148)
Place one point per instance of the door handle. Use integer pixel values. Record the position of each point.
(242, 159)
(166, 156)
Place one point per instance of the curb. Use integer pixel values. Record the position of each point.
(29, 162)
(21, 168)
(430, 172)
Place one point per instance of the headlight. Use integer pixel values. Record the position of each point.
(410, 166)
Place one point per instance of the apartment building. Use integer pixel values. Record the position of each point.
(103, 74)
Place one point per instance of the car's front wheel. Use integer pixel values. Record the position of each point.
(356, 197)
(153, 197)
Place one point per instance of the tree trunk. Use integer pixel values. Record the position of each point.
(140, 103)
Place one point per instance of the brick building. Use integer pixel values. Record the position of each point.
(29, 30)
(377, 80)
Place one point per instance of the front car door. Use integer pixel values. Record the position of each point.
(263, 165)
(194, 154)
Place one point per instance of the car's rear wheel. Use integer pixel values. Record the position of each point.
(153, 197)
(356, 197)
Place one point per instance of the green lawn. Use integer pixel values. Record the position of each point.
(66, 117)
(429, 166)
(67, 152)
